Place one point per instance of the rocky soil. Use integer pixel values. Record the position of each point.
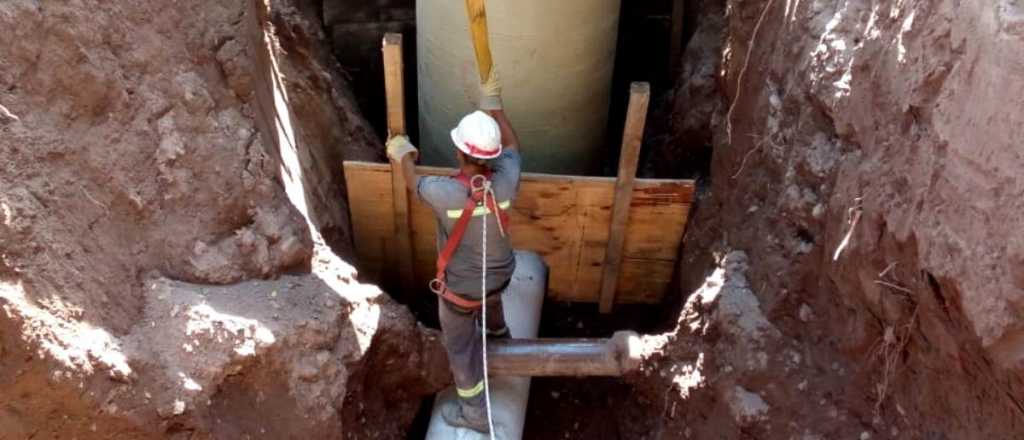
(866, 162)
(171, 220)
(175, 257)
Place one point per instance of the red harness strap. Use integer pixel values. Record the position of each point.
(477, 197)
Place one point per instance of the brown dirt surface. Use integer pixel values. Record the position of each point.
(170, 207)
(903, 323)
(175, 257)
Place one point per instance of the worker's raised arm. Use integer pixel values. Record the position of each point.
(490, 102)
(401, 150)
(509, 140)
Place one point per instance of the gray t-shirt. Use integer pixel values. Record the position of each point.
(446, 196)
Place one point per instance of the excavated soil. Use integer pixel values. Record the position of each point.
(171, 220)
(865, 162)
(175, 257)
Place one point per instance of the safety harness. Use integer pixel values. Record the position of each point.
(481, 195)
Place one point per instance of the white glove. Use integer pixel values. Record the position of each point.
(399, 146)
(490, 92)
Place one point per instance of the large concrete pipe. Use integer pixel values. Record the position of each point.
(565, 357)
(555, 60)
(522, 301)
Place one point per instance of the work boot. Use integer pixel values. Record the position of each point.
(503, 333)
(459, 415)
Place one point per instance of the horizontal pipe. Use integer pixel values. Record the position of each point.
(564, 357)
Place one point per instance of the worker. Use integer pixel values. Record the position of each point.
(487, 151)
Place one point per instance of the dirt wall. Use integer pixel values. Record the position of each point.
(866, 161)
(170, 227)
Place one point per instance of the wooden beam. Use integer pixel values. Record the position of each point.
(394, 87)
(676, 44)
(563, 218)
(632, 137)
(394, 83)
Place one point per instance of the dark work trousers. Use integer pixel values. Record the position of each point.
(460, 334)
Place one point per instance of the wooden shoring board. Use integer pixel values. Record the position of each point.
(563, 218)
(394, 89)
(632, 137)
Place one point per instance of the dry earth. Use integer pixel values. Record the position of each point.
(174, 237)
(866, 161)
(156, 162)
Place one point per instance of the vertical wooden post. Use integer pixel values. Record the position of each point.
(394, 83)
(676, 44)
(394, 87)
(632, 137)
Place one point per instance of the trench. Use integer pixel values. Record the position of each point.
(644, 53)
(835, 318)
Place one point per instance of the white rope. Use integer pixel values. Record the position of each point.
(483, 291)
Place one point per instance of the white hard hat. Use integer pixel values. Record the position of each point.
(478, 135)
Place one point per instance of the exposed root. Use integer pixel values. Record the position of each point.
(743, 163)
(889, 350)
(93, 199)
(894, 286)
(894, 341)
(893, 282)
(743, 71)
(888, 269)
(853, 217)
(7, 116)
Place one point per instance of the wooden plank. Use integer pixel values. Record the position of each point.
(657, 219)
(394, 83)
(424, 243)
(646, 280)
(371, 210)
(564, 218)
(645, 236)
(394, 87)
(547, 220)
(682, 192)
(632, 137)
(543, 219)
